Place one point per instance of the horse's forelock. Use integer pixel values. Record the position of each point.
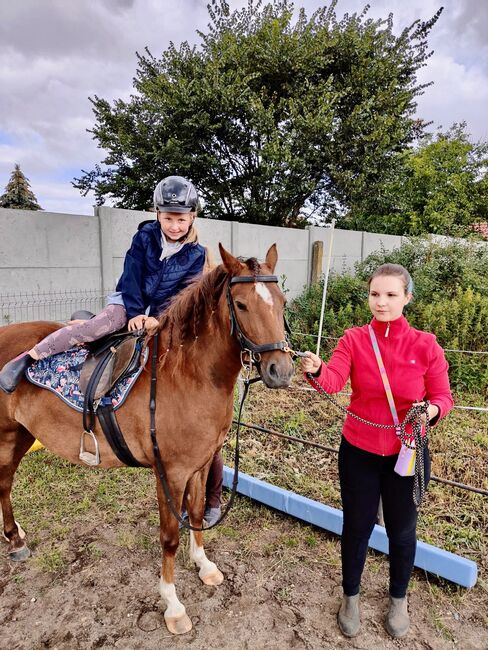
(252, 264)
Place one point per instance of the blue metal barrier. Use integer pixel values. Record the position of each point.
(435, 560)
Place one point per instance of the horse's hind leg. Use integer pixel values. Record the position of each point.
(208, 572)
(13, 445)
(175, 616)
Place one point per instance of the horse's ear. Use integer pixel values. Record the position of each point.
(231, 263)
(272, 257)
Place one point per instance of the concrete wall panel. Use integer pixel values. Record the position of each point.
(42, 252)
(373, 242)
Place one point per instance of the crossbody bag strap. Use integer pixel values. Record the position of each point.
(384, 376)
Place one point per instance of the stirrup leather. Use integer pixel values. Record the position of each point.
(86, 456)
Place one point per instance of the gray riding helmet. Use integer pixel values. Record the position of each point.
(175, 194)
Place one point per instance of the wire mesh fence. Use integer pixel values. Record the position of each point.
(53, 305)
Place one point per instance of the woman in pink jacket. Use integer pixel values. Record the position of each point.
(417, 370)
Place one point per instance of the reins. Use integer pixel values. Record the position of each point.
(254, 352)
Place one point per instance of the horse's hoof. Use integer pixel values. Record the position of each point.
(20, 554)
(213, 579)
(178, 624)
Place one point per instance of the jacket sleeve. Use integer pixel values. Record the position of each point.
(437, 388)
(130, 283)
(334, 375)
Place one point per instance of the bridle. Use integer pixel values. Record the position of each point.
(247, 346)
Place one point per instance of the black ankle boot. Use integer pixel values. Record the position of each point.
(13, 371)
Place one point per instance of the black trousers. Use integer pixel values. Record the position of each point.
(364, 477)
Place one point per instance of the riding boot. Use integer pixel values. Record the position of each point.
(13, 371)
(348, 616)
(184, 516)
(397, 621)
(212, 515)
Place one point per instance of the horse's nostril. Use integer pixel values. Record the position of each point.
(272, 370)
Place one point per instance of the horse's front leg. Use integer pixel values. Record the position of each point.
(208, 572)
(175, 616)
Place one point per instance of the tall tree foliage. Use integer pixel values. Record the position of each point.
(18, 193)
(441, 187)
(270, 113)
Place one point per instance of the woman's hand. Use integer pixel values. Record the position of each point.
(311, 363)
(142, 321)
(432, 412)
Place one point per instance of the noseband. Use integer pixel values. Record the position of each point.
(247, 346)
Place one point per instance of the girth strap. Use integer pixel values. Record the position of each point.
(115, 438)
(106, 415)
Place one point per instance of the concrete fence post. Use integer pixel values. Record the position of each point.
(106, 249)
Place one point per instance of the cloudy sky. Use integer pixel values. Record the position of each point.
(54, 54)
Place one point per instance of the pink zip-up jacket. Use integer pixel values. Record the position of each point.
(416, 368)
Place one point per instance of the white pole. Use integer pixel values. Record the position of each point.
(326, 281)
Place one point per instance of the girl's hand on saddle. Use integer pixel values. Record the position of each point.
(141, 322)
(136, 323)
(151, 325)
(311, 363)
(432, 412)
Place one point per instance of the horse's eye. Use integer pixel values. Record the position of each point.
(241, 306)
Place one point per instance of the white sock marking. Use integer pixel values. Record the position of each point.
(168, 594)
(197, 554)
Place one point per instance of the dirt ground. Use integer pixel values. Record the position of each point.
(281, 590)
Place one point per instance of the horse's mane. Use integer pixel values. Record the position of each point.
(189, 310)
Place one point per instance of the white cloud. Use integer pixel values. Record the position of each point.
(458, 94)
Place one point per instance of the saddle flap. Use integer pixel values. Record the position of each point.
(125, 359)
(87, 369)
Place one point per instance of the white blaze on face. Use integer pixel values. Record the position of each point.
(263, 291)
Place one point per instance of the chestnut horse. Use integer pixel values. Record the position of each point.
(199, 361)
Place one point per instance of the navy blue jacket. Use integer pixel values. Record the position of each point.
(149, 282)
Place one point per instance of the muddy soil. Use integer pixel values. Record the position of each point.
(281, 590)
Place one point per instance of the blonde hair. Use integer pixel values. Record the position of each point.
(192, 238)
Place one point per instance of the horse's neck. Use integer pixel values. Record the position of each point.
(212, 357)
(218, 349)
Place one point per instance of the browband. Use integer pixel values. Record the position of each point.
(253, 278)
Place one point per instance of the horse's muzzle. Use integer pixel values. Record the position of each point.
(277, 370)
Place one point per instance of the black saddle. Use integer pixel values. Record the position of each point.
(109, 360)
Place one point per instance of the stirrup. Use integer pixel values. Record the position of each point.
(86, 456)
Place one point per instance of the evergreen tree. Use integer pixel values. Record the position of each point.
(18, 194)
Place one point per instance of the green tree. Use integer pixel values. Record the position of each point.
(441, 187)
(269, 114)
(18, 193)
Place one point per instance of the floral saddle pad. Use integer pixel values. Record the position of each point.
(60, 374)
